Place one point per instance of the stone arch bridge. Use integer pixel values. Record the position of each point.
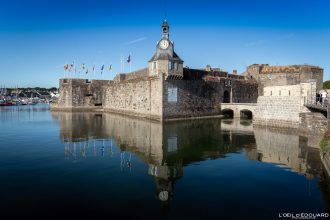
(238, 110)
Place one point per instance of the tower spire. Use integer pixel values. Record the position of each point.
(165, 29)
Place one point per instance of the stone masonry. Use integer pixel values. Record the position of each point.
(80, 94)
(284, 105)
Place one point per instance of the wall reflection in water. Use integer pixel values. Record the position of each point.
(168, 147)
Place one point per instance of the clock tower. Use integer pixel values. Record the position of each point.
(165, 60)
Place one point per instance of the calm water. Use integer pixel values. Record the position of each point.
(83, 165)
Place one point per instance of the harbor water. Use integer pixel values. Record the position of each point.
(64, 165)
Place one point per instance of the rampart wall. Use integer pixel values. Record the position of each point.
(138, 97)
(80, 94)
(281, 105)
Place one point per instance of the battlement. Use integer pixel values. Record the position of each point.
(266, 69)
(267, 75)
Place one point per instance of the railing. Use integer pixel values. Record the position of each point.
(318, 101)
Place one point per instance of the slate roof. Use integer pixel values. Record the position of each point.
(165, 56)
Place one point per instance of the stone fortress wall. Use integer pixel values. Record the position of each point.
(282, 105)
(80, 94)
(196, 98)
(138, 97)
(155, 97)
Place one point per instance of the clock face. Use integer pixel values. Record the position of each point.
(163, 44)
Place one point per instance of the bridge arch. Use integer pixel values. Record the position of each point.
(238, 110)
(228, 113)
(246, 113)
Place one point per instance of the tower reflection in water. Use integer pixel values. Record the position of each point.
(170, 146)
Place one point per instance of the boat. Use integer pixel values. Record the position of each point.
(6, 104)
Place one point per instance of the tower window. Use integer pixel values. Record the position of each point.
(154, 65)
(175, 66)
(171, 65)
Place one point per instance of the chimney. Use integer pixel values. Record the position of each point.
(234, 72)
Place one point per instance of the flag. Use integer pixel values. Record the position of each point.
(129, 59)
(93, 69)
(66, 66)
(86, 71)
(102, 67)
(110, 67)
(71, 67)
(83, 66)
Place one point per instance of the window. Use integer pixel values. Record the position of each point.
(171, 65)
(279, 93)
(154, 65)
(271, 93)
(289, 92)
(175, 66)
(172, 95)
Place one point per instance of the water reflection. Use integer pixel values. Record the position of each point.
(167, 148)
(287, 149)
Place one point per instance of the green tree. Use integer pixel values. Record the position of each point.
(326, 84)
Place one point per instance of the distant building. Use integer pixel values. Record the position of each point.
(44, 95)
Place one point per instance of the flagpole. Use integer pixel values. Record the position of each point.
(121, 63)
(74, 69)
(94, 71)
(130, 63)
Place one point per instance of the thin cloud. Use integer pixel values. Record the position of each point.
(286, 36)
(136, 41)
(265, 41)
(258, 42)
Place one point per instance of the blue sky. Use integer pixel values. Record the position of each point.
(38, 37)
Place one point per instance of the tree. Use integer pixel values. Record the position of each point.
(326, 84)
